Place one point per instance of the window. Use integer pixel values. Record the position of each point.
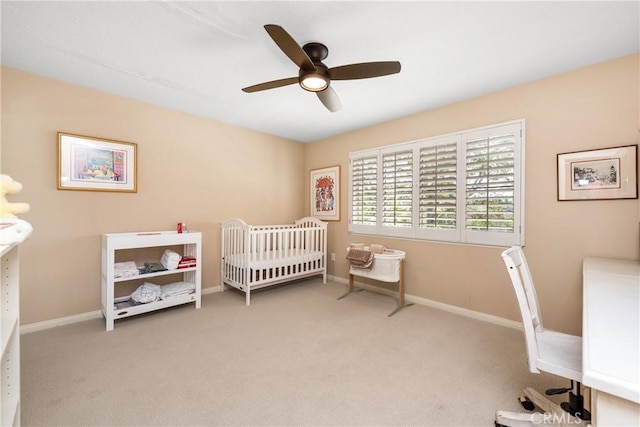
(465, 187)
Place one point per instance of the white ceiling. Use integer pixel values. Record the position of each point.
(196, 56)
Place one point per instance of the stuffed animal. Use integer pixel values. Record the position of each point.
(9, 186)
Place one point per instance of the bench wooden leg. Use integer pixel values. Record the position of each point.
(401, 303)
(351, 288)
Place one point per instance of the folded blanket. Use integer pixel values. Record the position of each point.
(170, 259)
(176, 289)
(360, 258)
(153, 267)
(125, 269)
(146, 293)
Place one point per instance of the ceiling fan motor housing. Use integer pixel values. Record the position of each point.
(316, 51)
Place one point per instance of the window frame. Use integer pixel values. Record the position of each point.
(460, 234)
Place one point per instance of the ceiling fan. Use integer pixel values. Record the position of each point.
(313, 75)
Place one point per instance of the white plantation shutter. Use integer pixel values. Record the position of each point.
(438, 186)
(465, 187)
(491, 178)
(364, 191)
(397, 189)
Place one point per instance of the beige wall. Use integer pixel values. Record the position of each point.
(595, 107)
(203, 172)
(191, 169)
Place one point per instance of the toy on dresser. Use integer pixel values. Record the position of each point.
(7, 187)
(12, 229)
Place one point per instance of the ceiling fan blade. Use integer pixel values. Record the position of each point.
(289, 46)
(330, 99)
(271, 85)
(364, 70)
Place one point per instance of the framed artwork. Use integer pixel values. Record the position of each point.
(94, 164)
(608, 173)
(325, 193)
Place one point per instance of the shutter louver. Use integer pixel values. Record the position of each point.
(364, 190)
(397, 189)
(490, 192)
(438, 186)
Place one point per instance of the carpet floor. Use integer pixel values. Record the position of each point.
(296, 357)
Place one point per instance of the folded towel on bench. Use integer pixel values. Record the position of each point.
(376, 249)
(360, 258)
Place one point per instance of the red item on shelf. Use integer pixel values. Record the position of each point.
(186, 262)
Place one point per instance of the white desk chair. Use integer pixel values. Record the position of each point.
(552, 352)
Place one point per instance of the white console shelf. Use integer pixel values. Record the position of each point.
(112, 242)
(12, 232)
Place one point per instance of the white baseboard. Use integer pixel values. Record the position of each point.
(61, 321)
(437, 305)
(39, 326)
(210, 290)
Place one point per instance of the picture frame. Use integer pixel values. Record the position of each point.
(601, 174)
(87, 163)
(325, 193)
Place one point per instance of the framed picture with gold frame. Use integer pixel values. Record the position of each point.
(325, 193)
(603, 174)
(95, 164)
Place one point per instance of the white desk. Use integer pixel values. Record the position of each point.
(611, 340)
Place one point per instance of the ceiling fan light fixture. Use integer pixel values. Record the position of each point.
(314, 82)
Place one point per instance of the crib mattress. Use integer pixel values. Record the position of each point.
(273, 259)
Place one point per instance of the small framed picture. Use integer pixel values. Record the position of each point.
(95, 164)
(608, 173)
(325, 193)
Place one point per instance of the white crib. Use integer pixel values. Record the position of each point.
(256, 256)
(388, 266)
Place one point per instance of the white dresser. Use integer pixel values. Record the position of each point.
(611, 340)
